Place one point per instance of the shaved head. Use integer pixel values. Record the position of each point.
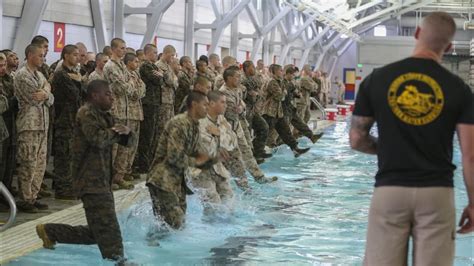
(436, 32)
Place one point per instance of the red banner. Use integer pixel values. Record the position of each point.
(59, 36)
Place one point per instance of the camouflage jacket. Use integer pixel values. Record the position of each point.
(185, 85)
(3, 127)
(32, 115)
(273, 96)
(152, 82)
(175, 153)
(92, 150)
(95, 75)
(7, 90)
(119, 81)
(213, 73)
(137, 92)
(253, 84)
(170, 83)
(218, 82)
(308, 87)
(233, 99)
(289, 103)
(68, 94)
(207, 76)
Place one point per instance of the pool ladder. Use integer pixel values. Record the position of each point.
(11, 202)
(319, 106)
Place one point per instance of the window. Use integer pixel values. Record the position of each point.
(380, 30)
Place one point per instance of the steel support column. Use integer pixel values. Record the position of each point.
(234, 33)
(30, 21)
(99, 24)
(154, 23)
(189, 29)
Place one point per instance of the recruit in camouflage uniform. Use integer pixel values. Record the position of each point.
(168, 91)
(67, 92)
(149, 135)
(234, 99)
(307, 88)
(166, 181)
(92, 180)
(213, 184)
(256, 122)
(218, 82)
(185, 85)
(95, 75)
(32, 126)
(124, 156)
(8, 146)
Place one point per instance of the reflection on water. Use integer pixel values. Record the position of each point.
(315, 214)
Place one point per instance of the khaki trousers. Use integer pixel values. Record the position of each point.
(398, 213)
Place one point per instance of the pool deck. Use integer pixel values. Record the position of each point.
(21, 238)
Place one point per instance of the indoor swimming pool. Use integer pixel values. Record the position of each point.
(316, 214)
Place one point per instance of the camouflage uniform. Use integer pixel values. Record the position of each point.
(32, 127)
(234, 98)
(168, 91)
(274, 96)
(255, 120)
(218, 82)
(95, 75)
(175, 152)
(211, 75)
(8, 146)
(149, 136)
(92, 179)
(68, 97)
(289, 107)
(308, 87)
(122, 86)
(325, 87)
(185, 85)
(206, 76)
(124, 156)
(212, 185)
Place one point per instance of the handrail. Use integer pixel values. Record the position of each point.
(11, 202)
(318, 105)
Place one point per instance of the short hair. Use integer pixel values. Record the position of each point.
(149, 47)
(129, 57)
(169, 49)
(139, 51)
(7, 52)
(230, 71)
(227, 60)
(3, 57)
(307, 67)
(106, 49)
(194, 96)
(260, 61)
(246, 65)
(439, 28)
(96, 85)
(204, 58)
(290, 69)
(39, 40)
(99, 56)
(213, 56)
(183, 60)
(200, 63)
(31, 48)
(115, 42)
(201, 81)
(81, 46)
(214, 96)
(68, 49)
(273, 68)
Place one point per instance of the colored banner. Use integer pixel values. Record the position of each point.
(59, 36)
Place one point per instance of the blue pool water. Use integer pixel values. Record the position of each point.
(316, 214)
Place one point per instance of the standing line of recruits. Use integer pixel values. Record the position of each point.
(108, 118)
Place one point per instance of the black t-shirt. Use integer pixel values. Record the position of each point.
(416, 104)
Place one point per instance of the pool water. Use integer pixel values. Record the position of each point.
(316, 214)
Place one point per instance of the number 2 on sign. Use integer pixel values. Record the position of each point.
(60, 33)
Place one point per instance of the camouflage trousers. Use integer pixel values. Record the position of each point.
(283, 129)
(295, 120)
(323, 96)
(170, 206)
(260, 130)
(236, 165)
(212, 189)
(31, 159)
(102, 227)
(7, 161)
(122, 156)
(146, 142)
(165, 113)
(302, 111)
(247, 154)
(62, 148)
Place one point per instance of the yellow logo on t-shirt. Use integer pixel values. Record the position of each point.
(415, 98)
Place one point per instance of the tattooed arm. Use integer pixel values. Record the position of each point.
(359, 136)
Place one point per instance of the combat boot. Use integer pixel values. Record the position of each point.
(264, 179)
(298, 152)
(41, 232)
(316, 137)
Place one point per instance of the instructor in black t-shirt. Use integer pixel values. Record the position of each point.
(418, 105)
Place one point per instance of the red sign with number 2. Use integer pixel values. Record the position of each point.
(59, 36)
